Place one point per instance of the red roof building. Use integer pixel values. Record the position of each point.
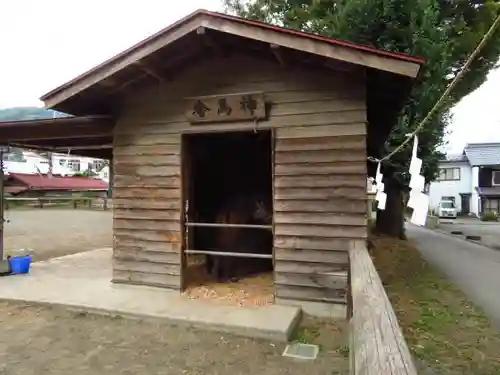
(20, 182)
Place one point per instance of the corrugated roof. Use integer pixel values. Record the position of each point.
(489, 192)
(483, 154)
(56, 182)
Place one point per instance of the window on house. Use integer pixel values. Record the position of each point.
(491, 205)
(496, 178)
(449, 174)
(97, 165)
(71, 164)
(14, 156)
(74, 165)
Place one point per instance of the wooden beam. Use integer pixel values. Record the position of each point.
(377, 345)
(314, 47)
(121, 61)
(63, 143)
(343, 66)
(39, 135)
(148, 69)
(206, 38)
(108, 82)
(208, 41)
(96, 147)
(276, 50)
(100, 153)
(125, 84)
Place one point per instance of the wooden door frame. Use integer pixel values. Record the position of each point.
(187, 193)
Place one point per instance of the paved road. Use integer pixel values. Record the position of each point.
(475, 269)
(489, 231)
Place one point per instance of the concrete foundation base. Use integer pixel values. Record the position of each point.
(317, 309)
(82, 282)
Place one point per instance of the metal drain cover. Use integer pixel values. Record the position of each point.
(301, 351)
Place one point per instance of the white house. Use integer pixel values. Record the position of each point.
(104, 174)
(454, 181)
(62, 164)
(471, 179)
(77, 164)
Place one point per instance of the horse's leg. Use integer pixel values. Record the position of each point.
(216, 267)
(209, 264)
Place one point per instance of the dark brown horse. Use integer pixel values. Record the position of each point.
(239, 209)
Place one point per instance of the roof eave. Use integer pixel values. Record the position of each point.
(287, 38)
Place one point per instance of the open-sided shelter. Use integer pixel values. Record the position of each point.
(214, 106)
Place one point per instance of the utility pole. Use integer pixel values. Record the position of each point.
(3, 150)
(50, 156)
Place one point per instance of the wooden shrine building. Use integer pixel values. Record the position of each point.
(216, 104)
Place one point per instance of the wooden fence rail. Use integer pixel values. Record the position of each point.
(377, 345)
(74, 201)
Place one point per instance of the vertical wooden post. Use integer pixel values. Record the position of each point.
(111, 177)
(273, 193)
(2, 197)
(185, 196)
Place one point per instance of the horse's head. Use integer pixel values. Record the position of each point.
(262, 213)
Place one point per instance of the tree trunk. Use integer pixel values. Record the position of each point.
(391, 220)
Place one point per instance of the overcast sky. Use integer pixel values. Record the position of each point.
(46, 43)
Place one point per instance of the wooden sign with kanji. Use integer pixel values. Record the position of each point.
(222, 108)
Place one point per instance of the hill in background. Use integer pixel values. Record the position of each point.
(28, 113)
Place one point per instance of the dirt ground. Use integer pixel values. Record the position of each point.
(45, 340)
(55, 232)
(42, 340)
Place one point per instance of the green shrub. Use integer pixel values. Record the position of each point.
(489, 216)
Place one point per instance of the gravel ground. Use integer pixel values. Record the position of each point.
(56, 232)
(43, 340)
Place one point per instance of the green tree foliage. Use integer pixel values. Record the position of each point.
(444, 32)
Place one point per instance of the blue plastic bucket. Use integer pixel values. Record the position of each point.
(20, 264)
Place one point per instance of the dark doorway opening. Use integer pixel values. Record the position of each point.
(465, 204)
(227, 179)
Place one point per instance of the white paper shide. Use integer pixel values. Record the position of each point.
(381, 196)
(418, 200)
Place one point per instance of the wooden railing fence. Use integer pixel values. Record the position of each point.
(377, 345)
(41, 202)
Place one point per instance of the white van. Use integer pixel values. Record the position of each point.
(447, 209)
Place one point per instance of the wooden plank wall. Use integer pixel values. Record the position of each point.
(320, 206)
(377, 345)
(319, 117)
(147, 210)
